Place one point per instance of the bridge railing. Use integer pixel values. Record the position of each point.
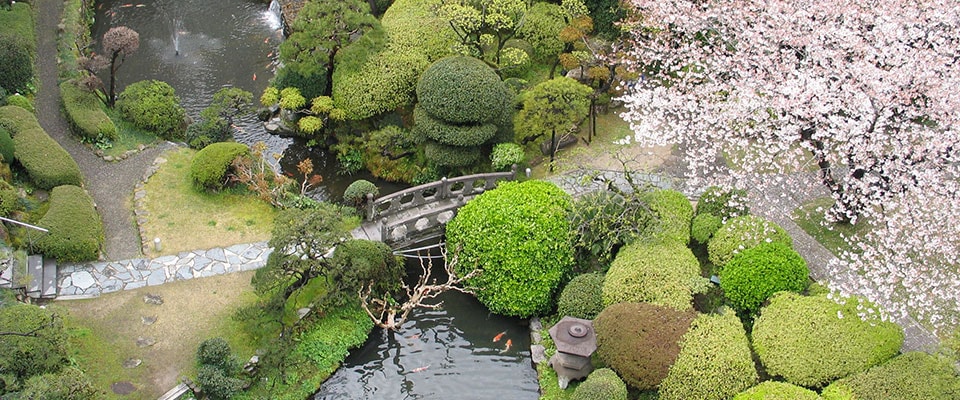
(445, 188)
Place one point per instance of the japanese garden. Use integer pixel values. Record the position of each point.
(518, 199)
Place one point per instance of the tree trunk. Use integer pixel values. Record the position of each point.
(593, 118)
(846, 208)
(113, 78)
(553, 147)
(328, 89)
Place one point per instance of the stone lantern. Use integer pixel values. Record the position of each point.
(576, 342)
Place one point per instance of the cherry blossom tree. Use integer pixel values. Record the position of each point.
(862, 92)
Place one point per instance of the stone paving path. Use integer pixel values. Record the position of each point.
(95, 278)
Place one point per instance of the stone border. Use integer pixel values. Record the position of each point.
(140, 212)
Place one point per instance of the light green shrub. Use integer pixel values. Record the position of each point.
(812, 340)
(505, 155)
(518, 234)
(86, 117)
(153, 105)
(741, 233)
(714, 361)
(9, 199)
(755, 274)
(723, 202)
(602, 384)
(21, 101)
(704, 226)
(674, 212)
(909, 376)
(666, 274)
(210, 166)
(47, 164)
(542, 28)
(451, 156)
(17, 119)
(75, 230)
(356, 193)
(25, 356)
(582, 297)
(773, 390)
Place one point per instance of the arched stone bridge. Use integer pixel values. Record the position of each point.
(421, 213)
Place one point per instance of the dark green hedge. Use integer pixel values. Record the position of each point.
(48, 164)
(755, 274)
(518, 234)
(909, 376)
(76, 232)
(85, 115)
(209, 167)
(641, 340)
(6, 145)
(17, 119)
(450, 134)
(451, 156)
(704, 226)
(17, 47)
(462, 90)
(812, 340)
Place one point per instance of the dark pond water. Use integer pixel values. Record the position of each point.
(440, 354)
(201, 46)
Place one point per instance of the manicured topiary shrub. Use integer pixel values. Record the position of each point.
(83, 111)
(153, 105)
(910, 376)
(602, 384)
(451, 156)
(666, 274)
(714, 361)
(216, 352)
(75, 230)
(17, 119)
(461, 90)
(505, 155)
(211, 164)
(773, 390)
(582, 297)
(216, 384)
(704, 226)
(741, 233)
(48, 164)
(6, 145)
(9, 199)
(357, 263)
(519, 236)
(16, 62)
(450, 134)
(723, 202)
(812, 340)
(674, 212)
(21, 101)
(640, 340)
(757, 273)
(356, 193)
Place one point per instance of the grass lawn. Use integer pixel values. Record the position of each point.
(186, 219)
(129, 136)
(810, 218)
(104, 331)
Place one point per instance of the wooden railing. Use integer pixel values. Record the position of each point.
(453, 188)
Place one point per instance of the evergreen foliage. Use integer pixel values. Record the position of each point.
(755, 274)
(703, 226)
(665, 274)
(24, 356)
(909, 376)
(152, 105)
(209, 168)
(773, 390)
(674, 213)
(741, 233)
(83, 110)
(582, 297)
(75, 230)
(601, 384)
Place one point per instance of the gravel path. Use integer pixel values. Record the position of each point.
(110, 184)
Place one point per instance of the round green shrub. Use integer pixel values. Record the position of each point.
(451, 156)
(741, 233)
(153, 105)
(462, 90)
(541, 29)
(209, 167)
(909, 376)
(640, 340)
(714, 363)
(82, 109)
(582, 297)
(6, 145)
(666, 274)
(773, 390)
(16, 63)
(356, 263)
(217, 385)
(47, 164)
(75, 230)
(674, 212)
(602, 384)
(68, 384)
(505, 155)
(21, 101)
(723, 202)
(755, 274)
(356, 193)
(16, 119)
(704, 226)
(24, 356)
(451, 134)
(812, 340)
(216, 352)
(519, 236)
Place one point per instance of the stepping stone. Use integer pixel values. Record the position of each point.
(122, 388)
(145, 341)
(132, 363)
(153, 299)
(148, 320)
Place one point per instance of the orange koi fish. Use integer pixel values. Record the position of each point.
(266, 39)
(420, 369)
(126, 5)
(254, 76)
(499, 336)
(507, 348)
